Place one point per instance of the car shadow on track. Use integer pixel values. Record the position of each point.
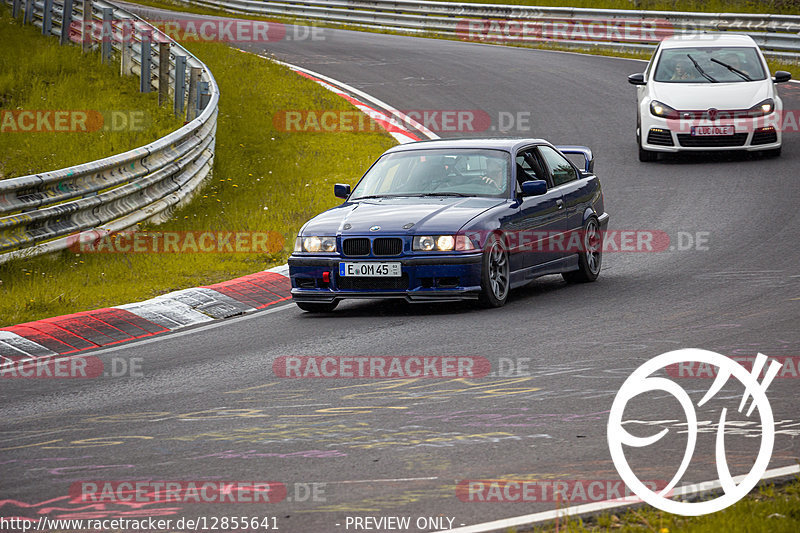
(693, 158)
(526, 295)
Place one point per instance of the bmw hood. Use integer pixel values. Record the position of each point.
(699, 96)
(394, 215)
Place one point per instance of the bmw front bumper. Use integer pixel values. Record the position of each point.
(431, 278)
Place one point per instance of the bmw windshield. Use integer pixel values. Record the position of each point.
(709, 65)
(444, 172)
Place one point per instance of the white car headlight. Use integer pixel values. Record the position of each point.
(762, 108)
(660, 109)
(442, 243)
(315, 244)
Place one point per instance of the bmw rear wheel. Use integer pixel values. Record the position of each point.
(496, 274)
(590, 256)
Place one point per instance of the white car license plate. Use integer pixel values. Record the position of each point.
(712, 130)
(371, 269)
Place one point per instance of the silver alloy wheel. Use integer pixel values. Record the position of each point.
(592, 246)
(498, 271)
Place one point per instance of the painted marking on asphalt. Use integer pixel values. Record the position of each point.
(390, 480)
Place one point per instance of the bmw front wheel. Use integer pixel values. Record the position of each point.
(496, 274)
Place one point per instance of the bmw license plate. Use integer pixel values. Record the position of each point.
(712, 130)
(371, 269)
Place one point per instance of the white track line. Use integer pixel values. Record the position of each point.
(546, 516)
(380, 103)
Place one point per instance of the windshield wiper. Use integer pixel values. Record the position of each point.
(732, 69)
(373, 196)
(700, 69)
(460, 194)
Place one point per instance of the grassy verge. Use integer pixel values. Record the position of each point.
(768, 508)
(264, 180)
(38, 74)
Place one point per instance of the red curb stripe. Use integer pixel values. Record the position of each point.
(43, 339)
(280, 285)
(132, 325)
(265, 285)
(383, 123)
(84, 326)
(257, 290)
(239, 292)
(103, 327)
(67, 337)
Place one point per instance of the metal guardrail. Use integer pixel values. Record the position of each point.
(50, 211)
(612, 29)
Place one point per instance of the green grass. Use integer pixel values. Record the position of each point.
(38, 74)
(768, 508)
(264, 180)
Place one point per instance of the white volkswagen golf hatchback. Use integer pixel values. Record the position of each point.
(708, 92)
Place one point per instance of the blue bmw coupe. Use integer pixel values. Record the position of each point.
(446, 220)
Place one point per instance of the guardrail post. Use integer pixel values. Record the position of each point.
(126, 48)
(15, 5)
(163, 72)
(86, 26)
(106, 35)
(180, 85)
(203, 96)
(47, 17)
(28, 16)
(66, 21)
(144, 80)
(194, 89)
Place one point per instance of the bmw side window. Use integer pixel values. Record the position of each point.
(560, 169)
(525, 170)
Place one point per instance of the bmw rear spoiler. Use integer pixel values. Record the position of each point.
(580, 150)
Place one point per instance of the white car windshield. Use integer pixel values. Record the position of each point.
(445, 172)
(708, 64)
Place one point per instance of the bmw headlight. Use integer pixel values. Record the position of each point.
(660, 109)
(442, 243)
(315, 244)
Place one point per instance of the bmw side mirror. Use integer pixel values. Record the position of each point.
(341, 190)
(782, 76)
(636, 79)
(534, 188)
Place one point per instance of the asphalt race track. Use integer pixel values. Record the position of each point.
(208, 406)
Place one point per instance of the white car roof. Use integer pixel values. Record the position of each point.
(708, 39)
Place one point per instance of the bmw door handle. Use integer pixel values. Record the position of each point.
(560, 204)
